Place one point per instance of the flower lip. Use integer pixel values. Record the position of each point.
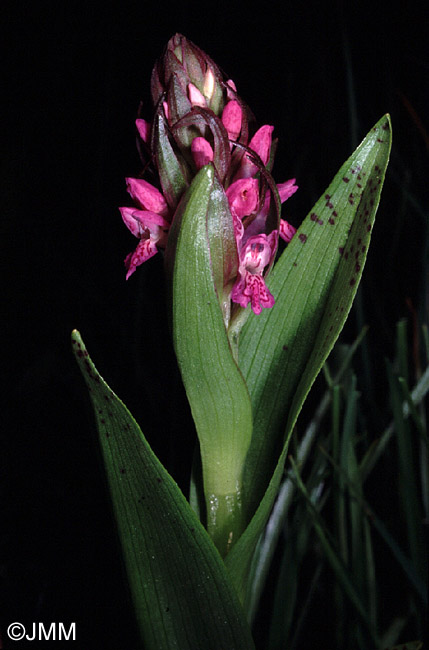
(255, 256)
(146, 248)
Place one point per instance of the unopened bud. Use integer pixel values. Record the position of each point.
(209, 85)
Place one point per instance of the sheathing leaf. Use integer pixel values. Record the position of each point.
(214, 385)
(177, 579)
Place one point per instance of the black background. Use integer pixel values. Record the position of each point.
(323, 74)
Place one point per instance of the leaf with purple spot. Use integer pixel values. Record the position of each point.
(282, 350)
(181, 590)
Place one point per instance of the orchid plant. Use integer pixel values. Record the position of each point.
(250, 335)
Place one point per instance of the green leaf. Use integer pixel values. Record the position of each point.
(408, 480)
(403, 560)
(283, 349)
(344, 577)
(177, 579)
(411, 645)
(172, 173)
(314, 283)
(214, 385)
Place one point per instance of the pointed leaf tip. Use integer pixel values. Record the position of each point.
(282, 350)
(181, 591)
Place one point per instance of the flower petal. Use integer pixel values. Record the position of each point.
(287, 189)
(131, 222)
(286, 231)
(231, 89)
(261, 145)
(146, 249)
(202, 152)
(258, 252)
(147, 196)
(231, 118)
(252, 288)
(143, 127)
(243, 196)
(196, 97)
(139, 220)
(261, 142)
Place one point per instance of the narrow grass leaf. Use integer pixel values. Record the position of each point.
(392, 634)
(333, 558)
(376, 450)
(349, 469)
(413, 411)
(407, 480)
(370, 572)
(284, 612)
(403, 560)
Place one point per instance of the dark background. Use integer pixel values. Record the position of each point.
(323, 74)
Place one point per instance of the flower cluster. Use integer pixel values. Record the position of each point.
(200, 119)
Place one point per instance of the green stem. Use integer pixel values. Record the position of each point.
(238, 317)
(225, 519)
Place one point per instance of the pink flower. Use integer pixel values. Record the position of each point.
(250, 286)
(243, 196)
(148, 224)
(150, 228)
(256, 249)
(261, 142)
(261, 145)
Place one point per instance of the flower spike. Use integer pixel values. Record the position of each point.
(199, 120)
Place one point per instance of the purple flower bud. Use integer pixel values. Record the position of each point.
(143, 127)
(146, 196)
(202, 152)
(232, 118)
